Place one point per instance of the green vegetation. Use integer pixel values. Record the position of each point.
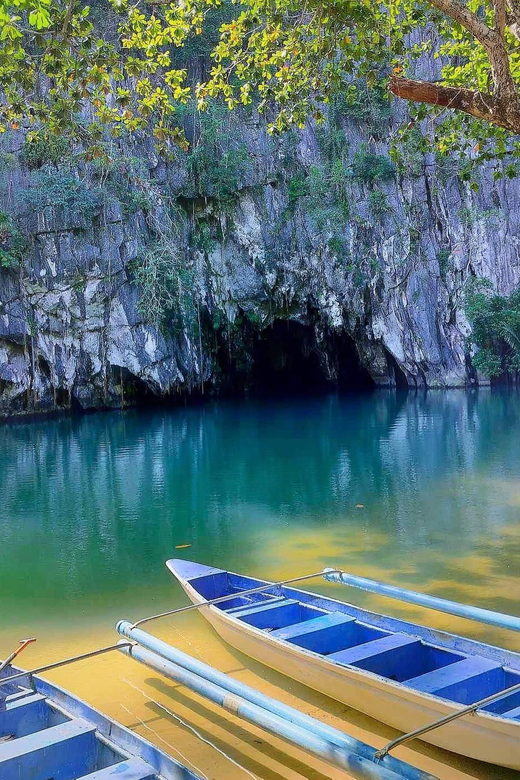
(166, 286)
(13, 244)
(370, 168)
(443, 257)
(287, 58)
(110, 176)
(378, 203)
(59, 189)
(218, 160)
(408, 153)
(125, 178)
(495, 321)
(368, 106)
(40, 148)
(471, 215)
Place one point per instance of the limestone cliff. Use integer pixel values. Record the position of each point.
(205, 272)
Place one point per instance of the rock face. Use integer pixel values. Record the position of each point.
(311, 256)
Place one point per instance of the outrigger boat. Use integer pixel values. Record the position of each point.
(46, 732)
(405, 675)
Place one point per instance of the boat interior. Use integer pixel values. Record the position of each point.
(343, 634)
(40, 740)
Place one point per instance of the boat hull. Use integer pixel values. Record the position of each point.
(32, 712)
(480, 736)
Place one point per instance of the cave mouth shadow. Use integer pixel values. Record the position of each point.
(287, 360)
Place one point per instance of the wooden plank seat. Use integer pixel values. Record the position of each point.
(130, 769)
(464, 681)
(62, 752)
(387, 656)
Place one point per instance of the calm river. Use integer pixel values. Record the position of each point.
(422, 490)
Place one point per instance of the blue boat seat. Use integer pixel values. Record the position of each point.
(514, 714)
(250, 603)
(387, 656)
(61, 752)
(464, 681)
(131, 769)
(318, 634)
(23, 716)
(282, 613)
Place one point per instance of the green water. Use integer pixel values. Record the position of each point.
(90, 507)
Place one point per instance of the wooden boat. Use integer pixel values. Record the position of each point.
(400, 673)
(47, 733)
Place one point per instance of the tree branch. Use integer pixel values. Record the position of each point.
(513, 18)
(477, 104)
(492, 42)
(499, 7)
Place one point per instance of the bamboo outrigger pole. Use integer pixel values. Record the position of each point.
(326, 742)
(478, 614)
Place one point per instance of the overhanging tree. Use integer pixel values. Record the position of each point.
(287, 56)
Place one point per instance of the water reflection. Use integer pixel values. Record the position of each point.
(91, 506)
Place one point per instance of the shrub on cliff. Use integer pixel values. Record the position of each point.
(495, 321)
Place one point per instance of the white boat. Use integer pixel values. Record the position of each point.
(400, 673)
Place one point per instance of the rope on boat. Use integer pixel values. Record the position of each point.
(65, 662)
(469, 710)
(237, 594)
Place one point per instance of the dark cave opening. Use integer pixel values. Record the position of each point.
(400, 380)
(286, 359)
(129, 389)
(351, 373)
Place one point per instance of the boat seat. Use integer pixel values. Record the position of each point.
(317, 634)
(251, 603)
(385, 656)
(62, 752)
(131, 769)
(514, 714)
(273, 615)
(463, 681)
(270, 615)
(23, 716)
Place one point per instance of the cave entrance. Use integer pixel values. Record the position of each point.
(286, 359)
(129, 389)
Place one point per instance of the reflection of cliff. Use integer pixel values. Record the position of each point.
(97, 503)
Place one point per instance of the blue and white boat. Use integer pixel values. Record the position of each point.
(400, 673)
(47, 733)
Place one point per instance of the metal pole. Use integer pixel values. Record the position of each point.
(446, 719)
(312, 742)
(237, 688)
(13, 677)
(234, 595)
(422, 599)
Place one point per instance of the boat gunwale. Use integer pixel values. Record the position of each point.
(394, 687)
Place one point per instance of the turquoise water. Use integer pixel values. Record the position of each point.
(420, 489)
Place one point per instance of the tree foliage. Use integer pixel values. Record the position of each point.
(287, 57)
(495, 321)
